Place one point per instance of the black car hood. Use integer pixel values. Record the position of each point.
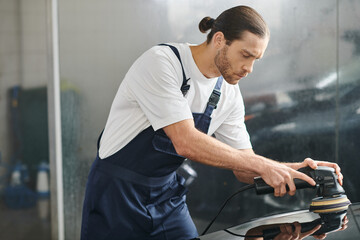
(304, 216)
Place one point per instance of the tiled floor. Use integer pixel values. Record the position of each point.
(20, 224)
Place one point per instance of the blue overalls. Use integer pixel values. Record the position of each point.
(136, 193)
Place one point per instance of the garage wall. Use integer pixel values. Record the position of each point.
(23, 115)
(9, 66)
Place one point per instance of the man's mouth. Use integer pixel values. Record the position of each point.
(241, 75)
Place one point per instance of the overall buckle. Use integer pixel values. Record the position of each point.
(214, 98)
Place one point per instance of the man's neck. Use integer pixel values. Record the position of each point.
(204, 56)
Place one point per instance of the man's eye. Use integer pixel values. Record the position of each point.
(246, 56)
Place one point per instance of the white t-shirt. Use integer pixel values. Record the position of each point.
(150, 95)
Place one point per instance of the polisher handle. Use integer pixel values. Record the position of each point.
(262, 187)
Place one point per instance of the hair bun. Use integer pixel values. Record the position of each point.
(205, 24)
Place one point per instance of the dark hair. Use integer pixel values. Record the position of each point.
(233, 22)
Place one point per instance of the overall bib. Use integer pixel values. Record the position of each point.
(136, 193)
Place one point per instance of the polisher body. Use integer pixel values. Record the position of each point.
(330, 195)
(325, 178)
(330, 203)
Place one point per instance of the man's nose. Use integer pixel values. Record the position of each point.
(248, 67)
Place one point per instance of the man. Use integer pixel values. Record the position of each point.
(169, 104)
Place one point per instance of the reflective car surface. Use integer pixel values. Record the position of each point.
(343, 225)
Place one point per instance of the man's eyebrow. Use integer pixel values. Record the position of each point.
(249, 53)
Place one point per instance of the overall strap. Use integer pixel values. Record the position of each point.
(184, 87)
(98, 141)
(214, 97)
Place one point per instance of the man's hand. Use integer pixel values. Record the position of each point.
(314, 164)
(278, 175)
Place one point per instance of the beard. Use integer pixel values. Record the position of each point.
(223, 65)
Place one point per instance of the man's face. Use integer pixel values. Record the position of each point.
(236, 60)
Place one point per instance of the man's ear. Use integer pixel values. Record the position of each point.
(219, 40)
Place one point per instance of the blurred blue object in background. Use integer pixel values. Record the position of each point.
(17, 195)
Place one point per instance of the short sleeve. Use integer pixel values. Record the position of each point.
(155, 84)
(233, 130)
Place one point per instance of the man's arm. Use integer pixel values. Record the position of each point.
(246, 176)
(197, 146)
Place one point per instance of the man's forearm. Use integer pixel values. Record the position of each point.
(245, 177)
(197, 146)
(202, 148)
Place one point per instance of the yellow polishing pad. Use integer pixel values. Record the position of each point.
(329, 205)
